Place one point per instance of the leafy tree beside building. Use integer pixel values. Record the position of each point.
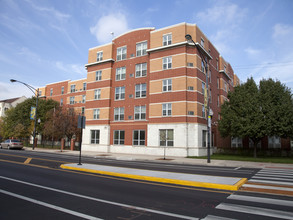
(257, 111)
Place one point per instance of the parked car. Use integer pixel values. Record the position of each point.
(11, 144)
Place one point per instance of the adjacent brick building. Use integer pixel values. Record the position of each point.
(144, 92)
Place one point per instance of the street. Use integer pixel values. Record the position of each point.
(32, 186)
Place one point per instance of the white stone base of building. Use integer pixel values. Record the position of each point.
(187, 141)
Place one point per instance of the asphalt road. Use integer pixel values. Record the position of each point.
(32, 186)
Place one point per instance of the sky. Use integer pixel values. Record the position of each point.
(47, 41)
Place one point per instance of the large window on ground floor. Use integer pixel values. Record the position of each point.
(274, 142)
(166, 137)
(204, 138)
(119, 136)
(95, 136)
(138, 137)
(236, 142)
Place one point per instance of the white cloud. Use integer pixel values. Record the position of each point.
(14, 90)
(282, 32)
(70, 68)
(52, 12)
(223, 14)
(225, 18)
(252, 51)
(116, 23)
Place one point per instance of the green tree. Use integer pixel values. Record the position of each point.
(256, 112)
(17, 122)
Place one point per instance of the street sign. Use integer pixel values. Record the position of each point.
(81, 121)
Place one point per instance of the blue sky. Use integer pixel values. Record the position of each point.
(46, 41)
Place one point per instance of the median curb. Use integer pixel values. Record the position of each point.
(233, 184)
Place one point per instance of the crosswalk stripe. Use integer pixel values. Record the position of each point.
(267, 187)
(276, 172)
(256, 211)
(268, 175)
(273, 178)
(271, 182)
(262, 200)
(213, 217)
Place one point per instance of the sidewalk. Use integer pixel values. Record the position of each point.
(169, 159)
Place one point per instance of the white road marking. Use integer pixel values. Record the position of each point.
(49, 205)
(256, 211)
(267, 187)
(262, 200)
(101, 200)
(213, 217)
(271, 182)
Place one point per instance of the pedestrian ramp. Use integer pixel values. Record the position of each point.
(194, 180)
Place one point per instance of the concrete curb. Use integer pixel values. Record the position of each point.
(233, 187)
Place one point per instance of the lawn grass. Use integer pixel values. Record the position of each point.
(249, 158)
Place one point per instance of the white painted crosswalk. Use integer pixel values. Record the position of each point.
(271, 180)
(267, 195)
(253, 207)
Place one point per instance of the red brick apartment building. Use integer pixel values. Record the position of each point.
(144, 92)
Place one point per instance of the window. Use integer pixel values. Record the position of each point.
(218, 101)
(140, 112)
(140, 90)
(84, 86)
(166, 137)
(120, 93)
(96, 114)
(120, 73)
(95, 136)
(202, 42)
(225, 68)
(51, 92)
(138, 137)
(140, 69)
(225, 87)
(203, 85)
(99, 75)
(167, 63)
(72, 88)
(167, 39)
(119, 137)
(121, 53)
(204, 138)
(218, 83)
(83, 98)
(236, 142)
(167, 85)
(202, 66)
(97, 94)
(62, 90)
(141, 49)
(119, 114)
(274, 142)
(71, 102)
(167, 109)
(203, 111)
(40, 93)
(100, 56)
(61, 102)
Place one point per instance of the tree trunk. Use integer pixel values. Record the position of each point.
(255, 147)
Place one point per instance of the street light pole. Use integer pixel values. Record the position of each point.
(37, 97)
(205, 56)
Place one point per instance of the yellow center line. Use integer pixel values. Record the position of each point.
(28, 160)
